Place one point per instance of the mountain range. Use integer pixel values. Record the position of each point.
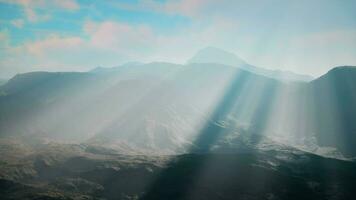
(162, 106)
(83, 134)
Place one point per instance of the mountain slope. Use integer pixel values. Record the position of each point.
(335, 108)
(162, 113)
(164, 131)
(167, 109)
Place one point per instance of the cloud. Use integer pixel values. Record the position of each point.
(107, 36)
(321, 51)
(311, 53)
(43, 4)
(33, 16)
(188, 8)
(67, 4)
(109, 43)
(4, 39)
(324, 39)
(18, 23)
(118, 36)
(105, 43)
(52, 43)
(50, 54)
(39, 10)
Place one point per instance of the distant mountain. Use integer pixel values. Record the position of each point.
(161, 107)
(105, 69)
(215, 55)
(166, 131)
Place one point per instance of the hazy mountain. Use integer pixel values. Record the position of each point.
(335, 108)
(215, 55)
(156, 107)
(2, 81)
(166, 131)
(169, 109)
(106, 69)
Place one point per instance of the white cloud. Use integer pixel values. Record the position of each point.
(4, 39)
(103, 43)
(33, 16)
(188, 8)
(66, 4)
(53, 43)
(30, 7)
(17, 23)
(311, 53)
(110, 43)
(120, 37)
(61, 4)
(106, 43)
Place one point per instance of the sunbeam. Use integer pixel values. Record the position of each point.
(177, 100)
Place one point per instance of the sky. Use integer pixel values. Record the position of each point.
(307, 37)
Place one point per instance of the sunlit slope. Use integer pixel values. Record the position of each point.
(165, 111)
(71, 105)
(166, 108)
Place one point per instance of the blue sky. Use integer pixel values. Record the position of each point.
(303, 36)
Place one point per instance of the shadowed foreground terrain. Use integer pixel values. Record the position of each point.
(59, 171)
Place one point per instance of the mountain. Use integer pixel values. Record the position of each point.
(335, 107)
(215, 55)
(167, 131)
(2, 81)
(106, 69)
(156, 107)
(161, 107)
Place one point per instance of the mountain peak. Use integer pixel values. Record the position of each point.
(216, 55)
